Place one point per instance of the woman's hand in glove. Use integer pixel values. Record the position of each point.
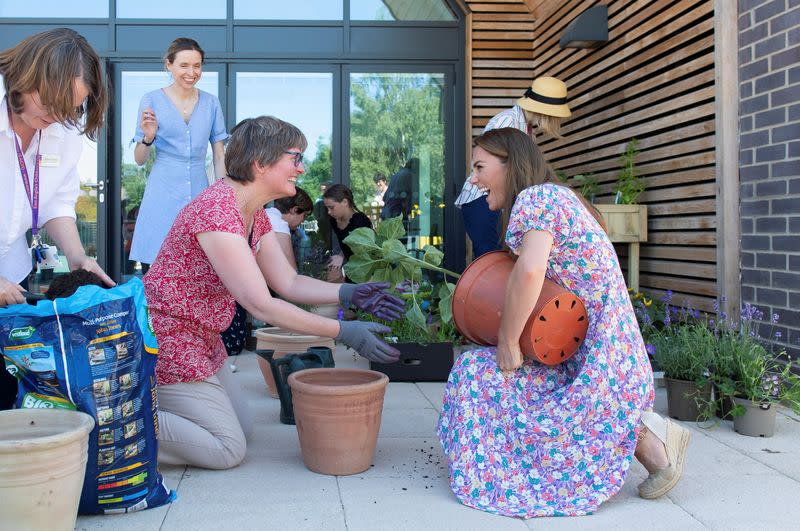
(360, 336)
(372, 298)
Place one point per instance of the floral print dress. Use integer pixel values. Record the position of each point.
(553, 441)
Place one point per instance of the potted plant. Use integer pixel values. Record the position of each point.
(685, 353)
(425, 335)
(755, 379)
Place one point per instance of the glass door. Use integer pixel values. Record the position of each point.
(132, 81)
(398, 141)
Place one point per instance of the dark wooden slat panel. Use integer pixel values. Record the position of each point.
(683, 223)
(698, 287)
(684, 268)
(675, 252)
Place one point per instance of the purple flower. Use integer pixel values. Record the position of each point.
(778, 334)
(667, 298)
(775, 317)
(651, 349)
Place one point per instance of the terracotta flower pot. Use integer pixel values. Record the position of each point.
(338, 416)
(556, 328)
(758, 419)
(284, 342)
(43, 455)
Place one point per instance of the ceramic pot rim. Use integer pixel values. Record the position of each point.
(379, 382)
(82, 424)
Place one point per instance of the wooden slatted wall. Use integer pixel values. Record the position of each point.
(653, 80)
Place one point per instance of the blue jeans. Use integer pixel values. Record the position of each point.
(482, 226)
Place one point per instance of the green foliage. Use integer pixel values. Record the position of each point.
(317, 172)
(685, 352)
(86, 208)
(394, 117)
(379, 255)
(587, 183)
(744, 368)
(629, 186)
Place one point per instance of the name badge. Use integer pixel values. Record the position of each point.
(51, 160)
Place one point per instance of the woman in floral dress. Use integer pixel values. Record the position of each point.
(525, 439)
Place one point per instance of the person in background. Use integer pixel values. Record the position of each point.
(382, 184)
(397, 200)
(345, 217)
(525, 439)
(541, 108)
(178, 121)
(323, 223)
(285, 217)
(222, 250)
(55, 91)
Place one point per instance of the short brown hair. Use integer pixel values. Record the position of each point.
(299, 200)
(181, 44)
(264, 139)
(47, 63)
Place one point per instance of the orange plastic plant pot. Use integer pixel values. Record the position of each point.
(557, 325)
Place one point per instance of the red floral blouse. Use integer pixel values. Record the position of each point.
(189, 305)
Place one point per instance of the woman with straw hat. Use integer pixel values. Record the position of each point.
(543, 106)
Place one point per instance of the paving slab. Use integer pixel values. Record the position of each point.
(730, 482)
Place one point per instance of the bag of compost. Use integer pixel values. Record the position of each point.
(95, 351)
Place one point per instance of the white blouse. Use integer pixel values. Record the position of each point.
(59, 187)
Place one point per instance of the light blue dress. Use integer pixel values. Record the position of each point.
(179, 171)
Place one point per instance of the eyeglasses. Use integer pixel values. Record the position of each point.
(298, 157)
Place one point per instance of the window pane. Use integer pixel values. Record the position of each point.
(304, 99)
(133, 177)
(283, 10)
(396, 130)
(54, 9)
(85, 210)
(391, 10)
(171, 9)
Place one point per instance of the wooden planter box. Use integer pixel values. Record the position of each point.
(627, 224)
(419, 363)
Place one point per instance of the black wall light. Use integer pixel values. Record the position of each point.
(588, 30)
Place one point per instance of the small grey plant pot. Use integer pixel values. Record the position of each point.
(682, 398)
(757, 421)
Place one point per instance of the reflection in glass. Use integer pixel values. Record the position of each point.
(133, 177)
(401, 10)
(397, 131)
(304, 99)
(54, 9)
(85, 212)
(282, 10)
(171, 9)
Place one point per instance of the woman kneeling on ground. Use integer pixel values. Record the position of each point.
(221, 250)
(525, 439)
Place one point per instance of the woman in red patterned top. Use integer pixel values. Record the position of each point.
(221, 250)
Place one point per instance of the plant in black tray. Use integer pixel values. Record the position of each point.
(685, 353)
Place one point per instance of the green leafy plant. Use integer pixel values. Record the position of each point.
(685, 352)
(629, 186)
(745, 368)
(587, 184)
(379, 255)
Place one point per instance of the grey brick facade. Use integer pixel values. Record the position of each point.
(769, 157)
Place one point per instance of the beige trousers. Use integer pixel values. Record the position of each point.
(203, 424)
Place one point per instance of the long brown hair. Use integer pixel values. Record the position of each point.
(48, 63)
(525, 166)
(339, 193)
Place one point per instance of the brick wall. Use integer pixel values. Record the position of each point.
(769, 160)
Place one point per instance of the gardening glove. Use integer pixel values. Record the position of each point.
(360, 336)
(371, 298)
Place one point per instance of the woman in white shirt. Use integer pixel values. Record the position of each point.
(55, 91)
(287, 214)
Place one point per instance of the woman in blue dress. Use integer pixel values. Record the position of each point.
(179, 121)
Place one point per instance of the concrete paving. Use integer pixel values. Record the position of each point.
(730, 482)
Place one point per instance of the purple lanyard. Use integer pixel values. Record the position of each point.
(33, 195)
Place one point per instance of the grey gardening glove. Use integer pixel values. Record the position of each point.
(360, 336)
(372, 298)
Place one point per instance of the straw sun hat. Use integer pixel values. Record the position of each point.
(547, 95)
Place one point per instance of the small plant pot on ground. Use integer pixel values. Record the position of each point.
(284, 342)
(685, 399)
(338, 417)
(43, 455)
(758, 419)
